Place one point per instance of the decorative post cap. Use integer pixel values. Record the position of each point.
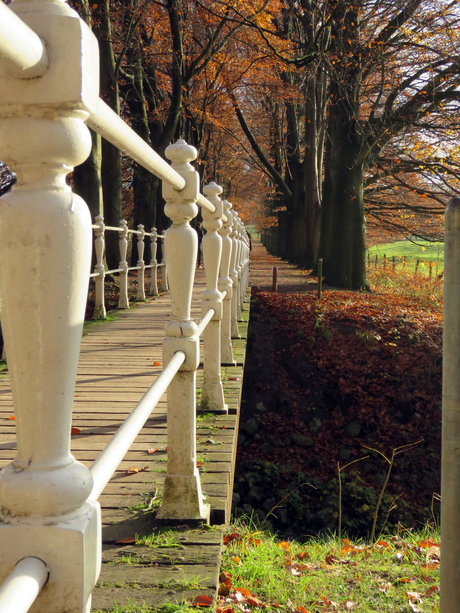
(212, 189)
(181, 154)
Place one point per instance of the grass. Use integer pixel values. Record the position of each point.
(160, 540)
(420, 250)
(396, 574)
(426, 291)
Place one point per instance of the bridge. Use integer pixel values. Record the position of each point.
(68, 451)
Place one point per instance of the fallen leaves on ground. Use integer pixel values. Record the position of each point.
(334, 578)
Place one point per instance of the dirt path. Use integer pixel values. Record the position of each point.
(290, 278)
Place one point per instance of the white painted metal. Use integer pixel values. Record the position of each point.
(123, 300)
(182, 496)
(234, 276)
(164, 268)
(212, 394)
(105, 465)
(238, 265)
(204, 322)
(226, 287)
(110, 126)
(22, 53)
(21, 588)
(45, 251)
(450, 469)
(140, 263)
(153, 263)
(99, 269)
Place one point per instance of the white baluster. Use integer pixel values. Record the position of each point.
(140, 263)
(226, 284)
(234, 277)
(164, 269)
(99, 243)
(45, 259)
(212, 394)
(123, 300)
(182, 497)
(153, 263)
(238, 267)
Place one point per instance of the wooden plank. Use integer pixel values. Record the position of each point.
(104, 597)
(110, 382)
(158, 576)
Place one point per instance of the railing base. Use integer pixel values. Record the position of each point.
(71, 548)
(207, 409)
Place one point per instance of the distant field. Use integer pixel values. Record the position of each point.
(421, 250)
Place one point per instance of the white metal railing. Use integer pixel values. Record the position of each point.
(48, 503)
(22, 586)
(100, 272)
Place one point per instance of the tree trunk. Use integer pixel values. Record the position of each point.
(87, 181)
(342, 222)
(111, 156)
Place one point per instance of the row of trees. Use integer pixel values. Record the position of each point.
(317, 115)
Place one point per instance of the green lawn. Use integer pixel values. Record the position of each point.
(423, 250)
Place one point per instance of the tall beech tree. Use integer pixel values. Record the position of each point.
(389, 66)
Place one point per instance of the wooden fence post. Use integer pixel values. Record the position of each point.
(450, 467)
(275, 279)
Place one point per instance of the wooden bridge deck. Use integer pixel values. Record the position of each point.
(119, 360)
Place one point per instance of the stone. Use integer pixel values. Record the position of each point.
(301, 440)
(353, 429)
(256, 494)
(250, 427)
(248, 509)
(267, 448)
(269, 504)
(261, 407)
(369, 467)
(315, 425)
(344, 454)
(236, 498)
(241, 439)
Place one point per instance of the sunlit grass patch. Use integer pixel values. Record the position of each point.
(397, 573)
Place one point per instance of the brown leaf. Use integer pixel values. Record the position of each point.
(202, 601)
(127, 541)
(132, 471)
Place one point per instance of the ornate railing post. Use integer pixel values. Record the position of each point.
(140, 263)
(123, 300)
(238, 266)
(45, 259)
(244, 260)
(234, 277)
(99, 243)
(182, 497)
(153, 263)
(226, 285)
(164, 268)
(212, 394)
